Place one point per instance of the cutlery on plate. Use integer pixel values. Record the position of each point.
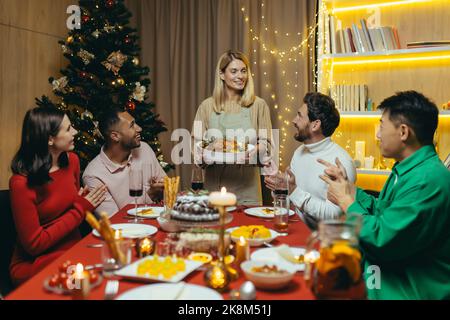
(111, 289)
(267, 244)
(180, 291)
(97, 245)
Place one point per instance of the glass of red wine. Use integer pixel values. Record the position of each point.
(136, 188)
(198, 179)
(282, 183)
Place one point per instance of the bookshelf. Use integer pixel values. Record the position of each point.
(384, 72)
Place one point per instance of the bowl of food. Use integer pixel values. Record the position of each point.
(267, 275)
(224, 151)
(256, 235)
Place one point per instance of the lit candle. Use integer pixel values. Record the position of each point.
(223, 198)
(144, 247)
(82, 284)
(360, 151)
(118, 234)
(242, 251)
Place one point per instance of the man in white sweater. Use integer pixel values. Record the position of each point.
(316, 121)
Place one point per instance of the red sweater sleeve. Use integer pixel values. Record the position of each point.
(35, 238)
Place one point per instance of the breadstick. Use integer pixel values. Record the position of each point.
(92, 221)
(109, 237)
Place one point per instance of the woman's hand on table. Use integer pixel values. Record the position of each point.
(96, 196)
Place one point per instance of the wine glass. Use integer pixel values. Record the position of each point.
(147, 181)
(136, 188)
(197, 179)
(282, 183)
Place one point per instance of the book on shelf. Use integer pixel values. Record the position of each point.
(367, 35)
(349, 97)
(426, 44)
(339, 39)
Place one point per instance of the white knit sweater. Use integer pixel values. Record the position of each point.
(310, 196)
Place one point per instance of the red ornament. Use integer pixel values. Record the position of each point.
(83, 74)
(127, 40)
(131, 106)
(110, 3)
(85, 18)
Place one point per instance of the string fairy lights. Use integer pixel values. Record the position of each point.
(297, 45)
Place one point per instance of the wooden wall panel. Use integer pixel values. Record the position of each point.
(29, 55)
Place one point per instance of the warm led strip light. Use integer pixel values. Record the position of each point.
(377, 5)
(388, 60)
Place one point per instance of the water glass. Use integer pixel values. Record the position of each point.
(281, 208)
(110, 259)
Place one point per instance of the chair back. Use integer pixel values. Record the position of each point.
(7, 241)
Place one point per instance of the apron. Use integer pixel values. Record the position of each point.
(242, 180)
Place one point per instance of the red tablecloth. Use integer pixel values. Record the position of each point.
(33, 288)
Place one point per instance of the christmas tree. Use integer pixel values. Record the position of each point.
(104, 72)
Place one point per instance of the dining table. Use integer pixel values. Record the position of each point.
(87, 253)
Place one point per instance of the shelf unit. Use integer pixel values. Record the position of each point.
(426, 69)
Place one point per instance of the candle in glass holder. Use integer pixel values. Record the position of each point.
(242, 251)
(145, 247)
(118, 234)
(82, 283)
(222, 198)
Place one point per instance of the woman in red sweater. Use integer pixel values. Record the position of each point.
(47, 202)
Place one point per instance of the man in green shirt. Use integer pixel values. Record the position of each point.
(406, 231)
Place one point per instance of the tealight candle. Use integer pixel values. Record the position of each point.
(82, 283)
(242, 251)
(145, 247)
(222, 198)
(118, 234)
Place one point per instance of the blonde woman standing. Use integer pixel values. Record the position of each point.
(234, 106)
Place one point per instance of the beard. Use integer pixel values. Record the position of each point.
(302, 135)
(131, 144)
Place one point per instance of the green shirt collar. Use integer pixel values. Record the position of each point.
(414, 160)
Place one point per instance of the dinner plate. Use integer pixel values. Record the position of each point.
(263, 212)
(155, 212)
(255, 242)
(168, 291)
(131, 271)
(132, 230)
(210, 156)
(231, 209)
(270, 254)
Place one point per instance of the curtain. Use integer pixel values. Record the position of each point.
(182, 40)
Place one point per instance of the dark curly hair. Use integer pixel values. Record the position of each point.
(416, 111)
(323, 108)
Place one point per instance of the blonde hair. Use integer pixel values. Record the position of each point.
(219, 94)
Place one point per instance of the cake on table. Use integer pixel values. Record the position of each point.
(194, 207)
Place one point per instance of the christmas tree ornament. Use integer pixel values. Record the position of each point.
(65, 50)
(135, 61)
(83, 74)
(85, 18)
(87, 115)
(131, 106)
(60, 84)
(96, 34)
(110, 3)
(115, 61)
(85, 56)
(127, 40)
(70, 39)
(120, 81)
(139, 92)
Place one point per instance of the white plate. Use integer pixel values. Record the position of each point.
(155, 214)
(210, 156)
(168, 291)
(256, 242)
(132, 230)
(231, 209)
(130, 271)
(270, 254)
(258, 212)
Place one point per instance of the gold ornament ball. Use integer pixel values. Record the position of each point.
(70, 39)
(120, 82)
(135, 61)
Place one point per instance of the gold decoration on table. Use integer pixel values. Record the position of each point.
(171, 186)
(219, 275)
